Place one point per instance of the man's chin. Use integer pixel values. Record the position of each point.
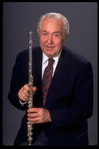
(50, 54)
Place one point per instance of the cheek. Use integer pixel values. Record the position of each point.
(58, 43)
(42, 39)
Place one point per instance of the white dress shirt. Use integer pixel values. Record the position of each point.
(44, 65)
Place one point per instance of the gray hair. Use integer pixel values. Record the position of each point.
(56, 16)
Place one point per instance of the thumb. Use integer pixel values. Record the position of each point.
(34, 89)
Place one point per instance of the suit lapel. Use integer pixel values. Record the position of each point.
(60, 76)
(37, 67)
(37, 77)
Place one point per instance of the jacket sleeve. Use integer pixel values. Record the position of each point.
(15, 85)
(82, 102)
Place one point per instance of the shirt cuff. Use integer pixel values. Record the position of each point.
(22, 103)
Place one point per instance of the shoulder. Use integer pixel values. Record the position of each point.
(26, 52)
(24, 55)
(77, 62)
(75, 58)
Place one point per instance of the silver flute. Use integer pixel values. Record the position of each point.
(30, 101)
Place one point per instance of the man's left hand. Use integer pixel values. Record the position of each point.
(38, 115)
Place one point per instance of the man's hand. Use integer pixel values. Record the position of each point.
(24, 92)
(38, 115)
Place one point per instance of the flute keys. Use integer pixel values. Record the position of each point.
(29, 134)
(30, 129)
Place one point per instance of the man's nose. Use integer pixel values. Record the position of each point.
(50, 41)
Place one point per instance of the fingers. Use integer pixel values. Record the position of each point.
(33, 110)
(34, 89)
(26, 87)
(24, 92)
(33, 120)
(38, 115)
(33, 115)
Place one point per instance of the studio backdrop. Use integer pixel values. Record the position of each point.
(21, 17)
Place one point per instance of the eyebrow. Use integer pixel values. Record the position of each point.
(53, 32)
(56, 32)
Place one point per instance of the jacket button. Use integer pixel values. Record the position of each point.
(47, 139)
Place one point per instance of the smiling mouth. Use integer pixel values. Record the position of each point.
(49, 47)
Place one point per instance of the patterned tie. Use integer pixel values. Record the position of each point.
(47, 79)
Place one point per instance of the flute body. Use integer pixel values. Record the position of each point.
(30, 101)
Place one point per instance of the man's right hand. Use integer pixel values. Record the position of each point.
(24, 92)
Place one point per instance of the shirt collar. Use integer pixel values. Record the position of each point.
(45, 58)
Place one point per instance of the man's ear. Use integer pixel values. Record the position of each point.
(38, 31)
(64, 40)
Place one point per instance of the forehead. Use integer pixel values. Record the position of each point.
(51, 24)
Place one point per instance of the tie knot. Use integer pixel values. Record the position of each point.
(51, 61)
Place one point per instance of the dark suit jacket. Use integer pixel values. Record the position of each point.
(69, 99)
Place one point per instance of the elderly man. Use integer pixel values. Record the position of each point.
(63, 88)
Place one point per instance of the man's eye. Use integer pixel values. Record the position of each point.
(44, 33)
(56, 35)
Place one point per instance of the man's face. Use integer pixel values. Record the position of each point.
(51, 36)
